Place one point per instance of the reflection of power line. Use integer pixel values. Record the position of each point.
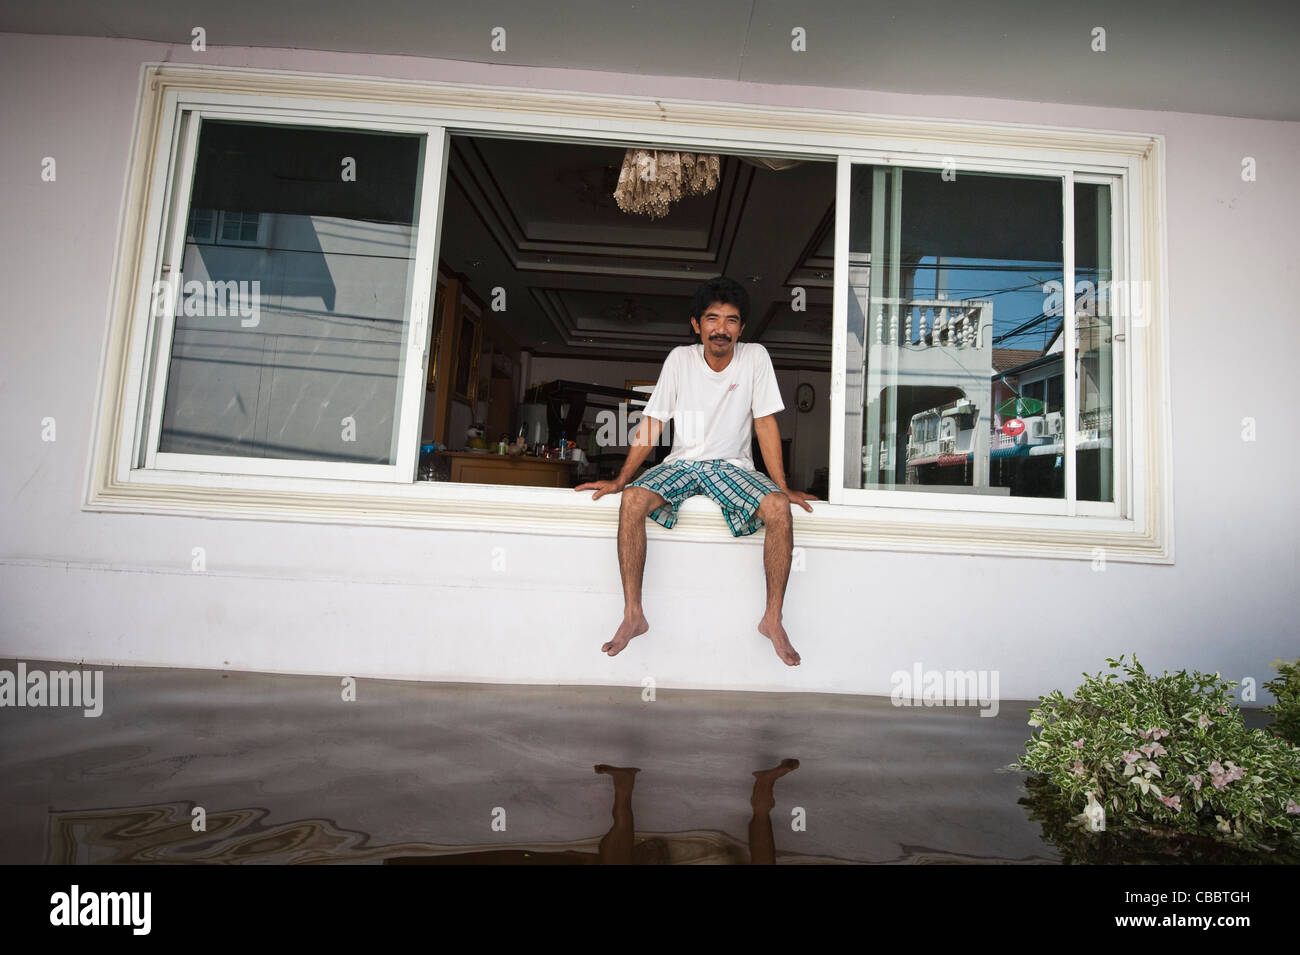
(1044, 317)
(987, 266)
(1021, 329)
(978, 290)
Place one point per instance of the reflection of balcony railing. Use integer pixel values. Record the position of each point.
(931, 323)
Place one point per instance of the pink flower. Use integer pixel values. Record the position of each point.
(1157, 732)
(1078, 744)
(1145, 734)
(1078, 769)
(1223, 709)
(1132, 756)
(1292, 807)
(1195, 781)
(1215, 768)
(1174, 802)
(1153, 749)
(1235, 773)
(1204, 721)
(1219, 780)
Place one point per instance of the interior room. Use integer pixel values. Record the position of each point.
(556, 308)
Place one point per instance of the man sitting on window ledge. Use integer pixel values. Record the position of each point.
(714, 392)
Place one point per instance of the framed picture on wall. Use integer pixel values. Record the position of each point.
(439, 297)
(469, 343)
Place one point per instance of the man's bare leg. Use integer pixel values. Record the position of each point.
(636, 505)
(616, 847)
(778, 546)
(762, 846)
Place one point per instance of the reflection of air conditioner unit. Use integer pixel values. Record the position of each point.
(1055, 423)
(1034, 427)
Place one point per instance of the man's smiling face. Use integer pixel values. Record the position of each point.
(719, 329)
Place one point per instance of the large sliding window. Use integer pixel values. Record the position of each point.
(989, 378)
(959, 377)
(291, 299)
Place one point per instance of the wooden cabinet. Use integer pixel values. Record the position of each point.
(470, 467)
(468, 363)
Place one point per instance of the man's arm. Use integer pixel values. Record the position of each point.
(769, 443)
(646, 436)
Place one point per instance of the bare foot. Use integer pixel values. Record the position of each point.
(773, 630)
(629, 628)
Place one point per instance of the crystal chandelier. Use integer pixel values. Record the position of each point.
(650, 180)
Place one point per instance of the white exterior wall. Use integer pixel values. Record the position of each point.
(423, 604)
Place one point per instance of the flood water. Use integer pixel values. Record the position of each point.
(205, 766)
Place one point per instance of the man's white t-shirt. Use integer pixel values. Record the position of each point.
(713, 412)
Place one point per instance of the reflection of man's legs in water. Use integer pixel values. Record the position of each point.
(616, 847)
(762, 847)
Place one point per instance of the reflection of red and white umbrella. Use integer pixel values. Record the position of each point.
(1013, 426)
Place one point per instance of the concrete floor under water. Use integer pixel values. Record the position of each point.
(286, 771)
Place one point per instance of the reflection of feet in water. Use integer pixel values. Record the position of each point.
(616, 847)
(762, 799)
(762, 845)
(621, 774)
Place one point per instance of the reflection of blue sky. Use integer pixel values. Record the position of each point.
(1014, 287)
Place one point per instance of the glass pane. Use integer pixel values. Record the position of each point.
(291, 327)
(1095, 372)
(953, 365)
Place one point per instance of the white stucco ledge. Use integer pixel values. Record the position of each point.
(558, 512)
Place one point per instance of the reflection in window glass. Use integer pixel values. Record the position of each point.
(291, 329)
(1094, 364)
(954, 354)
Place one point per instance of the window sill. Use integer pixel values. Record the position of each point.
(560, 512)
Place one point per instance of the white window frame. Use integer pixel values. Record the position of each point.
(1136, 527)
(1067, 505)
(182, 130)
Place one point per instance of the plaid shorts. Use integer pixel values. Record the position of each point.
(737, 491)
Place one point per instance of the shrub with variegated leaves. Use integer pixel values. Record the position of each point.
(1167, 753)
(1286, 690)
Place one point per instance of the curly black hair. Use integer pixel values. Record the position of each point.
(724, 290)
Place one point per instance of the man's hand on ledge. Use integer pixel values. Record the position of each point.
(602, 488)
(800, 498)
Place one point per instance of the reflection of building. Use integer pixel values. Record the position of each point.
(920, 355)
(1028, 386)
